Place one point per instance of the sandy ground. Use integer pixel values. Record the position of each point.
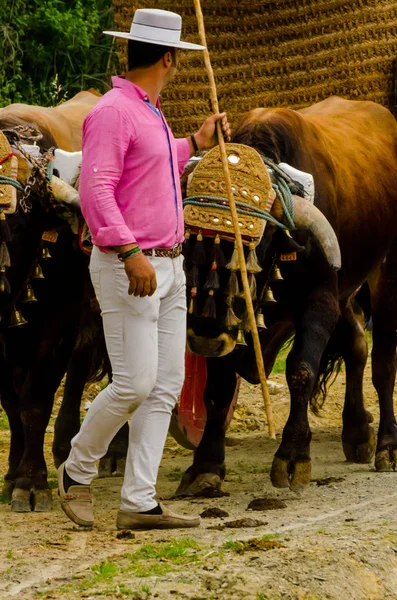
(336, 541)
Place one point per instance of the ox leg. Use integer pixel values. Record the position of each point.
(292, 465)
(205, 476)
(67, 423)
(113, 463)
(9, 402)
(358, 436)
(36, 389)
(384, 363)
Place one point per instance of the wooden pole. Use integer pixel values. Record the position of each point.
(237, 233)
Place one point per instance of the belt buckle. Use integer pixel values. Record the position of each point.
(174, 251)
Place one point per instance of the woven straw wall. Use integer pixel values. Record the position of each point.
(277, 53)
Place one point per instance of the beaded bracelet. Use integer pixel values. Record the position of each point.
(128, 253)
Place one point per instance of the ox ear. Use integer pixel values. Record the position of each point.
(65, 193)
(307, 216)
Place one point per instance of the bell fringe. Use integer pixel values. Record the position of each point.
(234, 265)
(212, 282)
(5, 231)
(5, 260)
(252, 260)
(231, 320)
(245, 326)
(187, 245)
(192, 304)
(219, 256)
(233, 286)
(192, 277)
(5, 287)
(209, 311)
(198, 254)
(252, 284)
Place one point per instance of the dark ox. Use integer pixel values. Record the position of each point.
(58, 335)
(351, 150)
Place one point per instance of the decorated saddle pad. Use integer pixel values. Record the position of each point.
(8, 168)
(206, 207)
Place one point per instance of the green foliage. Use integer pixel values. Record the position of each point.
(107, 570)
(51, 49)
(4, 426)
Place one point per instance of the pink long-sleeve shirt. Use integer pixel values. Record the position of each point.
(129, 183)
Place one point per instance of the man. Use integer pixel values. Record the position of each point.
(131, 200)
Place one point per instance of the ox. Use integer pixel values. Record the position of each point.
(35, 357)
(350, 148)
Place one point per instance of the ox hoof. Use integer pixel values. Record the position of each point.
(361, 453)
(105, 468)
(120, 467)
(386, 460)
(6, 492)
(41, 500)
(20, 500)
(288, 474)
(109, 466)
(205, 485)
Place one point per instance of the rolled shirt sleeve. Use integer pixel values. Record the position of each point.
(183, 151)
(106, 139)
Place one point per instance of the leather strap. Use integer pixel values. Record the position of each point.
(165, 252)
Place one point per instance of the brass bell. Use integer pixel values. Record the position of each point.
(29, 297)
(260, 320)
(38, 272)
(240, 338)
(45, 253)
(269, 296)
(17, 319)
(276, 274)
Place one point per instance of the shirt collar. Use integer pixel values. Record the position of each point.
(132, 90)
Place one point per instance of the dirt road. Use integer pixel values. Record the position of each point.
(336, 541)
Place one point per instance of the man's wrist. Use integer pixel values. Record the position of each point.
(130, 253)
(124, 248)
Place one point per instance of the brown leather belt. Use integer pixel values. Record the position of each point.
(165, 252)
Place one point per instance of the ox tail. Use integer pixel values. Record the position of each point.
(91, 343)
(330, 367)
(332, 359)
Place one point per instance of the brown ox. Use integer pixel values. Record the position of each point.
(60, 125)
(351, 150)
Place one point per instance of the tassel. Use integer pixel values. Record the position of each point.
(212, 282)
(252, 283)
(233, 265)
(209, 311)
(198, 254)
(5, 232)
(219, 257)
(192, 304)
(252, 260)
(232, 286)
(4, 255)
(246, 324)
(4, 283)
(231, 320)
(192, 277)
(187, 245)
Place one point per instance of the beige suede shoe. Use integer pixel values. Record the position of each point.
(167, 520)
(76, 503)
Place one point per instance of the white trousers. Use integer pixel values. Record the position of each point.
(145, 339)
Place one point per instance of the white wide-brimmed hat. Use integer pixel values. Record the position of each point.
(154, 26)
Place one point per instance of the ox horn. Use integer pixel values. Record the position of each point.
(307, 216)
(63, 192)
